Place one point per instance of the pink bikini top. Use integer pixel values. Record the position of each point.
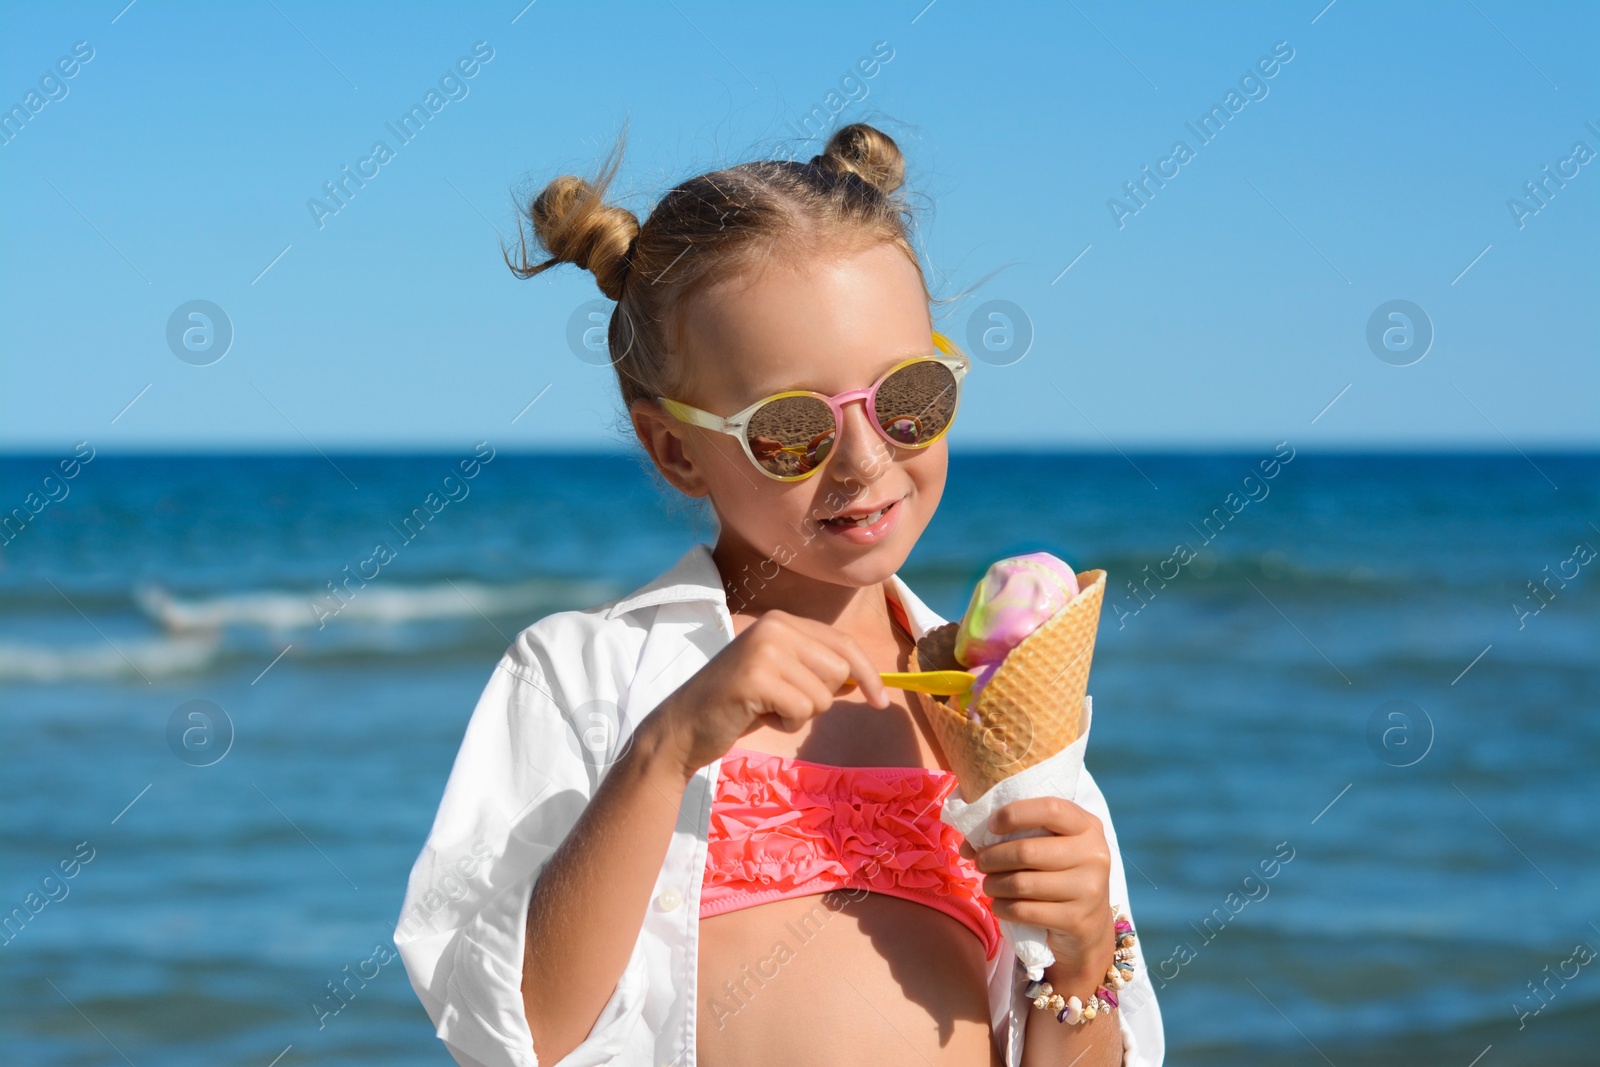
(783, 827)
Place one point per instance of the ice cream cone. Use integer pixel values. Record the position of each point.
(1032, 706)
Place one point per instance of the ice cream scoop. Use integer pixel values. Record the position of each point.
(1016, 596)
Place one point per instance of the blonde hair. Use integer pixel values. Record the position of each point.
(707, 228)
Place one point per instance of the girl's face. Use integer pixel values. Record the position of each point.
(828, 322)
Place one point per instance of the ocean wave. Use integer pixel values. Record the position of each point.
(283, 612)
(146, 658)
(184, 635)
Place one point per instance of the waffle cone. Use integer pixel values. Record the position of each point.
(1032, 707)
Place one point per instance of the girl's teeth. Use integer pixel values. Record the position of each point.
(864, 520)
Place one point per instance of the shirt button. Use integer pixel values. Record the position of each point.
(669, 899)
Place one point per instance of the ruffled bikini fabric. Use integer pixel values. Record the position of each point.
(787, 828)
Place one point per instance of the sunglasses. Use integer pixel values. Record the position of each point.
(789, 436)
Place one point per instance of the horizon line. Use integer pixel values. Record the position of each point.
(1436, 448)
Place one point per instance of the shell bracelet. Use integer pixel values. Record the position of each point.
(1073, 1010)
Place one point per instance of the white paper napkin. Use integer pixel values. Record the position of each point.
(1055, 777)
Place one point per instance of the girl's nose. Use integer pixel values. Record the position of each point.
(860, 452)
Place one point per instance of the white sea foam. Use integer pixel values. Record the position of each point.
(135, 659)
(280, 611)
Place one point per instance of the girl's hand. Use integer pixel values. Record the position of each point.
(782, 671)
(1060, 882)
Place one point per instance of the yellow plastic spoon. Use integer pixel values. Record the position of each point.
(934, 683)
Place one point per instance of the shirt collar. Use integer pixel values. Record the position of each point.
(695, 578)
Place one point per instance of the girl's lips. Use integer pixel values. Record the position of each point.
(867, 535)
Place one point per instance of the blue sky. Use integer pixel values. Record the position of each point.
(1231, 308)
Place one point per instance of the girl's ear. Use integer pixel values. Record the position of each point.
(664, 437)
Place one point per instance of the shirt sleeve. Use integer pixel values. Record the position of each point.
(1144, 1040)
(518, 785)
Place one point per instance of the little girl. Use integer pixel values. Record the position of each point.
(691, 826)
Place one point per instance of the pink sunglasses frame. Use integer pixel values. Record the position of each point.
(735, 425)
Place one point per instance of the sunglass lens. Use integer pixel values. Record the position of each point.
(792, 435)
(916, 403)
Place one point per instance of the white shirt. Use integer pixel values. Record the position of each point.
(560, 705)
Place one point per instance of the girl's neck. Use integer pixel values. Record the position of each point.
(756, 583)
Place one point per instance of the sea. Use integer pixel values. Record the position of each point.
(1347, 722)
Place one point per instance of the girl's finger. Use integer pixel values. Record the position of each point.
(1055, 814)
(861, 669)
(1027, 912)
(817, 694)
(823, 662)
(1032, 854)
(792, 703)
(1055, 886)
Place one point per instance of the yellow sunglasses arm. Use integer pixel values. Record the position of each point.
(694, 416)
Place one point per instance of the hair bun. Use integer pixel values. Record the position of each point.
(573, 224)
(866, 152)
